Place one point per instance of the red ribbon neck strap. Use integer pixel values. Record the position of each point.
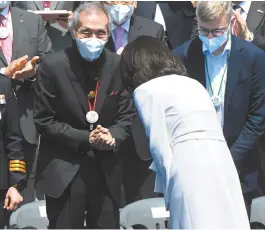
(90, 106)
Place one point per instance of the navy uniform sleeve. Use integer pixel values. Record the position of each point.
(12, 138)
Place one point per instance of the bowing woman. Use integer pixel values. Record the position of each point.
(12, 164)
(194, 168)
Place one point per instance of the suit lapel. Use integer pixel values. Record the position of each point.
(110, 45)
(195, 62)
(3, 58)
(135, 30)
(38, 5)
(18, 31)
(255, 15)
(77, 79)
(233, 75)
(104, 81)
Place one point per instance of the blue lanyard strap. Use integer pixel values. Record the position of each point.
(208, 75)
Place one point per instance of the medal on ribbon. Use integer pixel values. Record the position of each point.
(92, 116)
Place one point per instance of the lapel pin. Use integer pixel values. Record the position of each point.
(21, 20)
(260, 11)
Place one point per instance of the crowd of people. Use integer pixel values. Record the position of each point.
(112, 102)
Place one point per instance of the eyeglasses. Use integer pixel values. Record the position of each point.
(111, 3)
(215, 33)
(87, 33)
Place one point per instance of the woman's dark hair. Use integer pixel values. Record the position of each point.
(147, 58)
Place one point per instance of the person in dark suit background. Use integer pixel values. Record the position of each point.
(250, 25)
(27, 40)
(250, 21)
(178, 18)
(79, 167)
(12, 163)
(235, 78)
(57, 32)
(125, 27)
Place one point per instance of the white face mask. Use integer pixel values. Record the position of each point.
(4, 4)
(90, 48)
(120, 13)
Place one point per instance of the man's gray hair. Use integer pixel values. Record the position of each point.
(89, 8)
(208, 11)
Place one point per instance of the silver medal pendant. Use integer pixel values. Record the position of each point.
(3, 33)
(92, 117)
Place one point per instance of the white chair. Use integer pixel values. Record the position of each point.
(145, 214)
(257, 214)
(30, 216)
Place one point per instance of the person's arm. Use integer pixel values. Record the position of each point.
(152, 114)
(255, 125)
(45, 115)
(12, 138)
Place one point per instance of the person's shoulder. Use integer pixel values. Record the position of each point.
(24, 13)
(249, 49)
(182, 50)
(54, 59)
(111, 57)
(146, 22)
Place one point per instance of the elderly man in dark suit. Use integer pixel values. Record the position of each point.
(125, 27)
(233, 72)
(83, 115)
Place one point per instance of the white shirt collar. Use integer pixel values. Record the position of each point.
(125, 25)
(5, 11)
(245, 5)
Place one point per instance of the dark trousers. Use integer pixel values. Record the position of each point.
(4, 214)
(88, 193)
(138, 179)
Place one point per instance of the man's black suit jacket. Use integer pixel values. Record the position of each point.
(12, 165)
(29, 38)
(244, 109)
(61, 104)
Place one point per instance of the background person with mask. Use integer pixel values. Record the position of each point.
(233, 72)
(177, 17)
(125, 27)
(83, 115)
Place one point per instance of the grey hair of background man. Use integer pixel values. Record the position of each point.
(208, 11)
(90, 8)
